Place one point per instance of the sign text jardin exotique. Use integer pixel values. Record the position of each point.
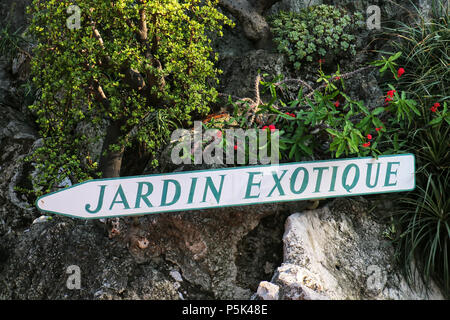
(235, 186)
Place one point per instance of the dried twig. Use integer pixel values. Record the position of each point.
(253, 103)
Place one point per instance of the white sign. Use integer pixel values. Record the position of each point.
(235, 186)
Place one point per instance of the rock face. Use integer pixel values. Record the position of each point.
(13, 13)
(339, 252)
(38, 267)
(239, 72)
(16, 139)
(293, 5)
(169, 256)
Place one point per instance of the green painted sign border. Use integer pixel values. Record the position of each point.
(230, 205)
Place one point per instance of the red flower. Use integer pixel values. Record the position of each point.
(219, 134)
(389, 96)
(400, 72)
(291, 114)
(338, 78)
(435, 107)
(321, 61)
(369, 136)
(367, 144)
(337, 104)
(235, 147)
(390, 93)
(378, 129)
(272, 128)
(264, 128)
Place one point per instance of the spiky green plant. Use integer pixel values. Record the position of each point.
(426, 43)
(425, 221)
(11, 42)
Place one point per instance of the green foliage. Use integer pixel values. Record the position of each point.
(315, 32)
(388, 63)
(239, 119)
(113, 70)
(441, 116)
(403, 108)
(295, 138)
(330, 118)
(328, 122)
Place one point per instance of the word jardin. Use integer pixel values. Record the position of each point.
(232, 186)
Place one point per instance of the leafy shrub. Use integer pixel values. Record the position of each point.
(315, 32)
(140, 67)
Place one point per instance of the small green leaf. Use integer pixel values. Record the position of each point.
(395, 56)
(340, 149)
(377, 111)
(435, 121)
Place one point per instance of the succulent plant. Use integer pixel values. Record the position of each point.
(315, 31)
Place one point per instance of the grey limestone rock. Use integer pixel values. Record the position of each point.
(339, 252)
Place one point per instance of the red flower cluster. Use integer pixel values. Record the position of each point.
(390, 93)
(389, 96)
(435, 107)
(337, 104)
(291, 114)
(369, 137)
(271, 128)
(367, 144)
(400, 72)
